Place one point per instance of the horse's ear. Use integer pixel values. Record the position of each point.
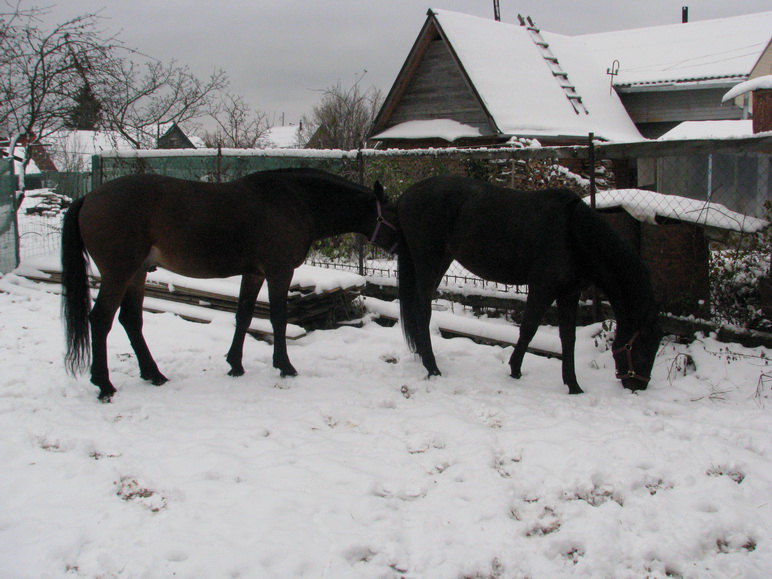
(378, 190)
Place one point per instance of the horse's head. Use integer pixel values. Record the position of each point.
(385, 231)
(634, 355)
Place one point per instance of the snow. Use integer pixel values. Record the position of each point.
(646, 206)
(446, 129)
(282, 137)
(759, 83)
(361, 467)
(71, 150)
(725, 48)
(521, 92)
(710, 130)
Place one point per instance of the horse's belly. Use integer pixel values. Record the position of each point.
(193, 265)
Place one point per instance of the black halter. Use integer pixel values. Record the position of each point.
(627, 349)
(379, 221)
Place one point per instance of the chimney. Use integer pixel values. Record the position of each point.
(684, 14)
(762, 110)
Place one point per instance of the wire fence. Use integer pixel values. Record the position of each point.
(685, 206)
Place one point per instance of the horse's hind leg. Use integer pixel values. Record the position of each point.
(250, 287)
(101, 319)
(567, 307)
(131, 320)
(278, 287)
(535, 306)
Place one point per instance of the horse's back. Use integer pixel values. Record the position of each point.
(497, 233)
(193, 228)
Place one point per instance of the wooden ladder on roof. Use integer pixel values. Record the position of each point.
(561, 76)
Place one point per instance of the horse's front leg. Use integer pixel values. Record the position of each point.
(278, 287)
(535, 306)
(250, 287)
(567, 307)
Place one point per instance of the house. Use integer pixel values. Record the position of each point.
(174, 138)
(670, 74)
(476, 81)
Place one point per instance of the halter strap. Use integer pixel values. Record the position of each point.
(627, 349)
(381, 220)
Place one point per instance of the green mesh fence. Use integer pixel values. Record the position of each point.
(9, 238)
(217, 167)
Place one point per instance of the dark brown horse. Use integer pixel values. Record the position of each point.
(260, 227)
(549, 240)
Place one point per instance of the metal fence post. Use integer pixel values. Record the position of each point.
(360, 238)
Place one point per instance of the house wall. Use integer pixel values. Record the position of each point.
(655, 112)
(438, 90)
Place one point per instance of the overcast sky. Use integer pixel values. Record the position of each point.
(279, 54)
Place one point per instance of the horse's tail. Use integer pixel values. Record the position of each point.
(76, 296)
(407, 293)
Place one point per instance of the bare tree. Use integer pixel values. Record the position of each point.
(343, 118)
(138, 99)
(238, 125)
(45, 70)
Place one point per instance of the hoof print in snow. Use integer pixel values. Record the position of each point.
(734, 474)
(129, 490)
(596, 496)
(390, 359)
(506, 466)
(547, 523)
(735, 544)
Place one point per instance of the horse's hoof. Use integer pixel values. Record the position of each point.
(156, 379)
(575, 390)
(516, 374)
(434, 372)
(288, 372)
(236, 372)
(106, 398)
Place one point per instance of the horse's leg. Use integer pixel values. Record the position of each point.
(535, 306)
(101, 318)
(278, 287)
(130, 318)
(567, 307)
(250, 287)
(427, 282)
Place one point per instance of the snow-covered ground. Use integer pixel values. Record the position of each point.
(361, 467)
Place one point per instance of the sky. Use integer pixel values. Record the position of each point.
(280, 56)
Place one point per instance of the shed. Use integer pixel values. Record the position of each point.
(671, 234)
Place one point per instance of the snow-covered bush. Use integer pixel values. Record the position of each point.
(736, 276)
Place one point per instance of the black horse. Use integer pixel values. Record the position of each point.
(550, 240)
(260, 227)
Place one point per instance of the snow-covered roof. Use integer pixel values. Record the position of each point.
(446, 129)
(646, 206)
(520, 91)
(709, 130)
(758, 83)
(726, 48)
(72, 150)
(281, 137)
